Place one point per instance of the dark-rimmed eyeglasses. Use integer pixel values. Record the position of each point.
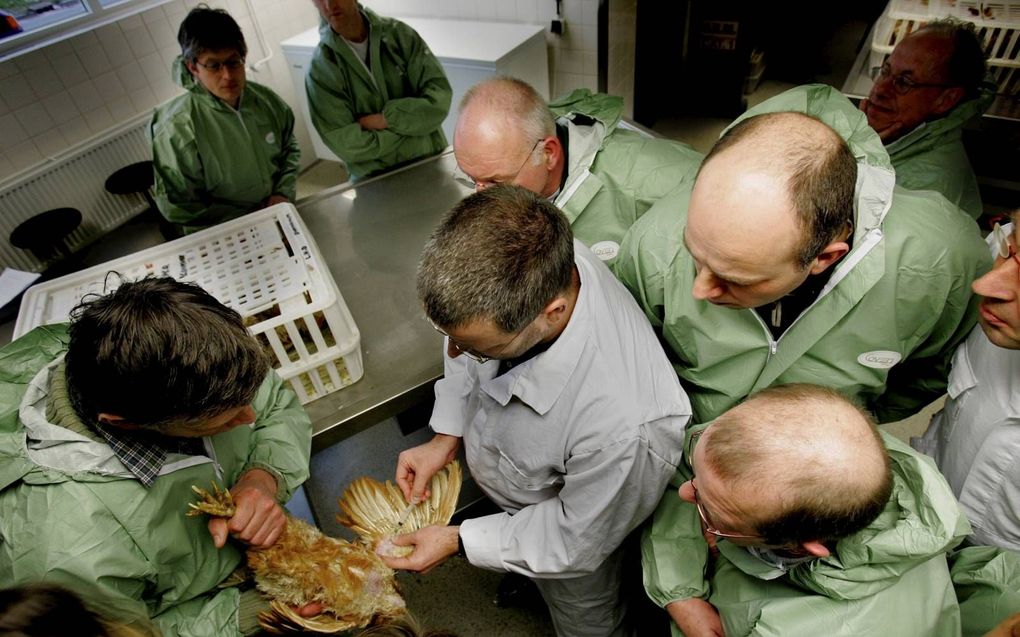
(710, 527)
(215, 67)
(901, 83)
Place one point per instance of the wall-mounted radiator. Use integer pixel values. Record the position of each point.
(75, 179)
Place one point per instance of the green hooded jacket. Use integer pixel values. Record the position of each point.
(932, 156)
(883, 329)
(889, 579)
(213, 163)
(613, 175)
(70, 513)
(406, 84)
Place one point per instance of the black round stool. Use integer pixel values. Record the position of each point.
(45, 234)
(133, 179)
(138, 178)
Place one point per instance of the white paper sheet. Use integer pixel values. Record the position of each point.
(13, 282)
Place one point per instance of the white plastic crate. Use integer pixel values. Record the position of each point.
(998, 27)
(970, 10)
(263, 265)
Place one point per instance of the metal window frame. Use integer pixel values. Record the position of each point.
(97, 16)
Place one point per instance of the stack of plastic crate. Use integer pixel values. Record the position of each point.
(263, 265)
(998, 27)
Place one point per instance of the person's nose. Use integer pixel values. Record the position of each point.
(999, 283)
(244, 417)
(883, 86)
(686, 492)
(706, 287)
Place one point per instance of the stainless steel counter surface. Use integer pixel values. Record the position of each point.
(371, 235)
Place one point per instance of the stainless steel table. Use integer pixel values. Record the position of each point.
(371, 235)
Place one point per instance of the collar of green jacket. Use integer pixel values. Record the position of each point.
(875, 176)
(335, 41)
(920, 521)
(19, 363)
(935, 133)
(59, 453)
(607, 109)
(590, 119)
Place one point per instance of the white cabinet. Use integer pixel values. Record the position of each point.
(469, 51)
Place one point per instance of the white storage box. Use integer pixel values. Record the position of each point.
(263, 265)
(998, 28)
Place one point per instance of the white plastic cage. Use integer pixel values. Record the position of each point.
(263, 265)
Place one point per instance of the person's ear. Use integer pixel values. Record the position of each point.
(815, 548)
(556, 310)
(552, 152)
(829, 255)
(191, 67)
(948, 100)
(117, 421)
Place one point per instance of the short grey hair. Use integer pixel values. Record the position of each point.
(966, 64)
(518, 100)
(502, 254)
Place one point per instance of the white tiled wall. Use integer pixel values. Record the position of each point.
(622, 35)
(64, 94)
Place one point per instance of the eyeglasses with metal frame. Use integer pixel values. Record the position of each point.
(1004, 247)
(466, 351)
(482, 185)
(900, 82)
(710, 527)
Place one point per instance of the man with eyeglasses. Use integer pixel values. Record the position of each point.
(796, 516)
(573, 152)
(975, 439)
(376, 93)
(570, 415)
(226, 146)
(796, 258)
(923, 95)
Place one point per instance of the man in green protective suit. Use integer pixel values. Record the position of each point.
(795, 516)
(376, 94)
(106, 424)
(923, 95)
(226, 147)
(796, 258)
(573, 152)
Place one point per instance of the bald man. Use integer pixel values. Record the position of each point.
(795, 516)
(923, 95)
(571, 152)
(796, 258)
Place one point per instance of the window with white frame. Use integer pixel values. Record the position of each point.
(26, 25)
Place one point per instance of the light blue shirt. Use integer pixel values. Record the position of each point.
(576, 444)
(975, 439)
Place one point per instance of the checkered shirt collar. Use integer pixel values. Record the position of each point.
(144, 453)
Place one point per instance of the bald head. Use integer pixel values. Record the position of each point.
(812, 461)
(800, 157)
(505, 132)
